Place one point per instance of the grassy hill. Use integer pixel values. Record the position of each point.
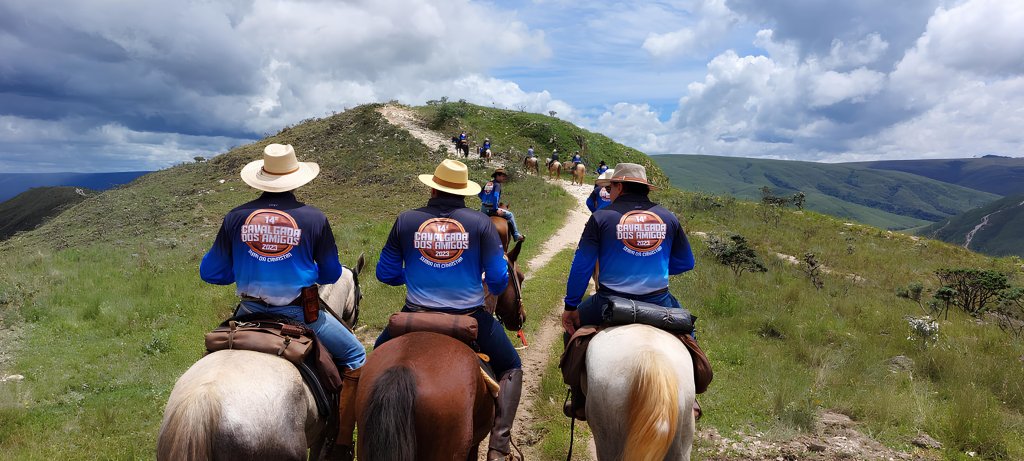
(995, 174)
(887, 199)
(113, 311)
(35, 206)
(1002, 233)
(12, 184)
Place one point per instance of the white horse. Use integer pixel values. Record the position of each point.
(244, 405)
(640, 394)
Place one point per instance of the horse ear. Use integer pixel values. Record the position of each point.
(360, 263)
(513, 254)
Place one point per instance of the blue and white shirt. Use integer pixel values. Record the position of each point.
(598, 199)
(440, 252)
(271, 248)
(601, 169)
(638, 243)
(490, 195)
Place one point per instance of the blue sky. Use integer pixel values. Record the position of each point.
(116, 86)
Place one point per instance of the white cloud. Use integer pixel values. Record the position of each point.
(715, 20)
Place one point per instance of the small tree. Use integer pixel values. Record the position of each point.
(770, 209)
(813, 269)
(1010, 312)
(912, 292)
(973, 289)
(735, 253)
(798, 200)
(199, 159)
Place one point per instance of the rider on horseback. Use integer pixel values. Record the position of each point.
(448, 279)
(273, 247)
(637, 243)
(490, 198)
(554, 157)
(600, 197)
(576, 160)
(601, 168)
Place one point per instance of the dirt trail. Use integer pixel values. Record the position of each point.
(535, 357)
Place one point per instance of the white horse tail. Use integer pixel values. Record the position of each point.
(390, 433)
(653, 408)
(190, 427)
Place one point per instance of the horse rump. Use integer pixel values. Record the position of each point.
(390, 432)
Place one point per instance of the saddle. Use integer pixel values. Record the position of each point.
(461, 327)
(623, 311)
(290, 340)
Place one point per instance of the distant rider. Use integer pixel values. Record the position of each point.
(601, 197)
(601, 168)
(490, 199)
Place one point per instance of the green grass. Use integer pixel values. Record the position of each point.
(998, 175)
(887, 199)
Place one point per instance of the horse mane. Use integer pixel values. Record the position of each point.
(188, 431)
(653, 408)
(390, 433)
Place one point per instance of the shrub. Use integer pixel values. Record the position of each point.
(972, 290)
(813, 269)
(736, 254)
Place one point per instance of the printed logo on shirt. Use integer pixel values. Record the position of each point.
(441, 241)
(641, 231)
(605, 195)
(489, 187)
(271, 233)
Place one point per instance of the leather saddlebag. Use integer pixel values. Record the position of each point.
(291, 342)
(702, 374)
(461, 327)
(623, 311)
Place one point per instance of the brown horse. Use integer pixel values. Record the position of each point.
(509, 301)
(530, 164)
(409, 407)
(422, 396)
(555, 170)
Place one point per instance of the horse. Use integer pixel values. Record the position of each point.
(640, 393)
(579, 171)
(243, 405)
(408, 407)
(461, 145)
(555, 170)
(510, 300)
(530, 163)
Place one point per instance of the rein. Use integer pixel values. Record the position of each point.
(572, 427)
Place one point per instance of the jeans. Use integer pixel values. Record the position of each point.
(490, 337)
(347, 351)
(490, 211)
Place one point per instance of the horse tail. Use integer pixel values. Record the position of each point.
(191, 426)
(653, 408)
(390, 433)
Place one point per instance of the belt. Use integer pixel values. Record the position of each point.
(295, 302)
(418, 308)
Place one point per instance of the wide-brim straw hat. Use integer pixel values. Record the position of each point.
(630, 172)
(498, 171)
(279, 171)
(603, 179)
(451, 176)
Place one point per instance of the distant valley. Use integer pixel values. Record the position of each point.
(12, 184)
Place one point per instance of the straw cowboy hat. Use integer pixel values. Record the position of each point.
(451, 176)
(603, 179)
(279, 171)
(629, 172)
(498, 171)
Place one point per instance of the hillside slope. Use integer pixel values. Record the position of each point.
(995, 229)
(887, 199)
(998, 175)
(12, 184)
(29, 209)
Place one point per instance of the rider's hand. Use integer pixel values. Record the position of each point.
(570, 321)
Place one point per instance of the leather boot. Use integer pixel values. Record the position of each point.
(576, 407)
(344, 445)
(510, 389)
